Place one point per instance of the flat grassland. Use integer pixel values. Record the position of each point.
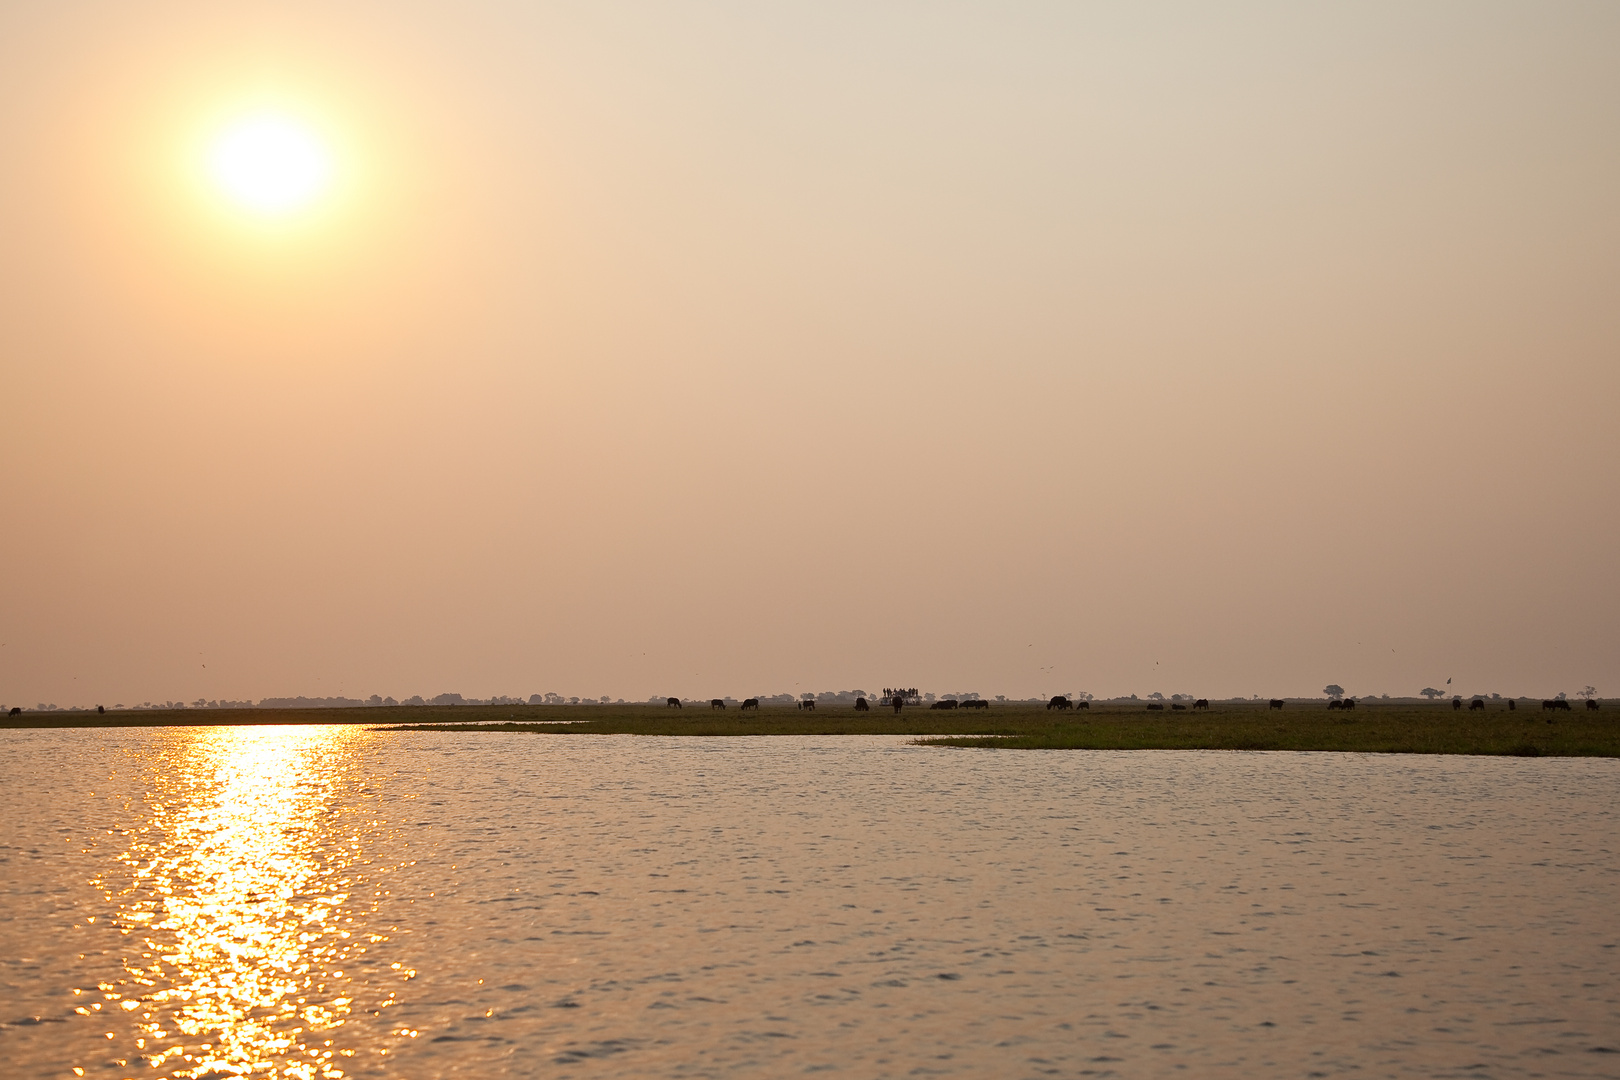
(1373, 727)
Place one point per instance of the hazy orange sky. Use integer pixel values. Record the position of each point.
(734, 348)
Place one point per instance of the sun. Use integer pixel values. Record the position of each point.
(270, 164)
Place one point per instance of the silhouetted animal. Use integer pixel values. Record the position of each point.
(717, 703)
(1555, 704)
(1154, 706)
(897, 701)
(861, 705)
(751, 703)
(807, 704)
(1201, 703)
(976, 703)
(1591, 704)
(101, 708)
(1178, 708)
(1060, 702)
(1349, 702)
(948, 703)
(674, 703)
(1081, 704)
(1456, 703)
(1335, 704)
(1513, 706)
(1275, 703)
(16, 710)
(1476, 704)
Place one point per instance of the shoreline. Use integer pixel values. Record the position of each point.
(1373, 727)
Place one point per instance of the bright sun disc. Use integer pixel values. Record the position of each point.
(270, 164)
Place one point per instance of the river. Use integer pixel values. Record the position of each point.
(326, 902)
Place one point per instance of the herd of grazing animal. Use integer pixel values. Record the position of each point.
(1063, 703)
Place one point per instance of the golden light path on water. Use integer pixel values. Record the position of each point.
(247, 887)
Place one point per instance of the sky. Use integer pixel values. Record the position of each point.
(736, 348)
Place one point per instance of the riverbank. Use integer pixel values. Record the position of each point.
(1373, 727)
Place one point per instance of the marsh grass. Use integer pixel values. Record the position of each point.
(1394, 728)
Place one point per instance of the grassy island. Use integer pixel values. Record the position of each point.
(1373, 727)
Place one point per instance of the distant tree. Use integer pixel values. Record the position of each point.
(1431, 693)
(1589, 693)
(1156, 696)
(1333, 690)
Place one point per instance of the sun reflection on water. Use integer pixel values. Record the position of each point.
(251, 893)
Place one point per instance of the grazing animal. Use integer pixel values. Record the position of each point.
(674, 703)
(976, 703)
(861, 705)
(1554, 705)
(1591, 705)
(1081, 704)
(1476, 705)
(1201, 703)
(16, 710)
(1178, 708)
(1456, 703)
(717, 703)
(1335, 704)
(808, 704)
(1349, 702)
(1154, 706)
(948, 703)
(1275, 703)
(1060, 703)
(751, 703)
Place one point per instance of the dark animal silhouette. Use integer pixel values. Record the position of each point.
(751, 703)
(717, 703)
(897, 701)
(1275, 703)
(1154, 706)
(1555, 705)
(1476, 705)
(101, 708)
(1081, 704)
(16, 710)
(1335, 704)
(808, 704)
(674, 703)
(1513, 706)
(861, 705)
(1060, 702)
(1591, 705)
(1178, 708)
(1456, 703)
(948, 703)
(1201, 703)
(975, 704)
(1349, 702)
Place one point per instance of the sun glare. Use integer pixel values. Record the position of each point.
(270, 164)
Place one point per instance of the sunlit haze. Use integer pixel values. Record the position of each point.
(734, 348)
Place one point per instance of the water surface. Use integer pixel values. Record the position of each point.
(329, 902)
